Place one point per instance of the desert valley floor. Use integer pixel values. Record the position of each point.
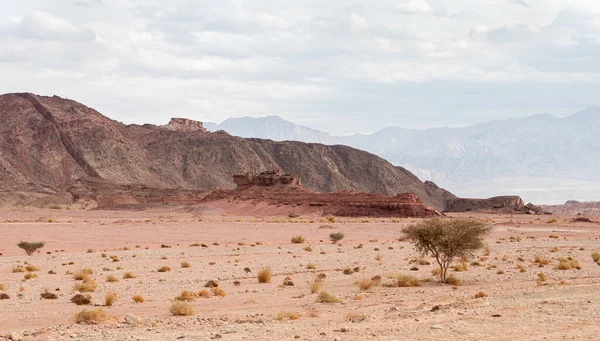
(506, 294)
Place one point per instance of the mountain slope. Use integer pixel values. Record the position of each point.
(520, 155)
(47, 143)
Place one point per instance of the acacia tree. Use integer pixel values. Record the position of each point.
(30, 248)
(447, 239)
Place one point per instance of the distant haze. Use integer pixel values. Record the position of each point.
(542, 158)
(341, 66)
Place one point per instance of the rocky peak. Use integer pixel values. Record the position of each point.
(185, 124)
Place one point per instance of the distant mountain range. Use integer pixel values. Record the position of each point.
(543, 158)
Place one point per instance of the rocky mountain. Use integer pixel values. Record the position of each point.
(526, 156)
(48, 143)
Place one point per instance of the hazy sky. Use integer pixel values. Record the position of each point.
(338, 65)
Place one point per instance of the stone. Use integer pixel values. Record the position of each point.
(437, 326)
(15, 336)
(132, 319)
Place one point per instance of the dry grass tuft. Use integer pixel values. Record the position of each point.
(30, 275)
(542, 277)
(219, 292)
(181, 308)
(453, 280)
(48, 295)
(287, 315)
(82, 274)
(18, 269)
(541, 261)
(461, 267)
(185, 265)
(567, 264)
(187, 295)
(480, 294)
(298, 239)
(92, 316)
(2, 287)
(325, 297)
(32, 268)
(596, 257)
(264, 275)
(80, 299)
(355, 317)
(204, 293)
(88, 285)
(367, 283)
(110, 298)
(138, 299)
(129, 275)
(111, 278)
(164, 268)
(408, 281)
(315, 285)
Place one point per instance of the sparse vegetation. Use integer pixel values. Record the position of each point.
(92, 316)
(298, 239)
(88, 285)
(408, 281)
(264, 275)
(138, 299)
(453, 280)
(181, 308)
(187, 295)
(110, 298)
(480, 294)
(185, 265)
(336, 237)
(80, 299)
(367, 283)
(326, 297)
(596, 257)
(315, 285)
(446, 240)
(287, 315)
(219, 292)
(129, 275)
(29, 247)
(164, 268)
(112, 279)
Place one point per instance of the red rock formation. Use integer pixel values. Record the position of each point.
(185, 124)
(276, 189)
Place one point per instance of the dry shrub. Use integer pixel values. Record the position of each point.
(2, 287)
(336, 237)
(219, 292)
(185, 265)
(596, 257)
(315, 285)
(453, 280)
(553, 236)
(521, 268)
(88, 285)
(480, 294)
(264, 275)
(18, 269)
(287, 315)
(461, 267)
(311, 266)
(138, 299)
(211, 284)
(204, 293)
(367, 283)
(541, 261)
(325, 297)
(181, 308)
(164, 268)
(48, 295)
(298, 239)
(32, 268)
(30, 275)
(542, 277)
(129, 275)
(555, 249)
(92, 316)
(80, 299)
(110, 298)
(111, 278)
(355, 317)
(82, 274)
(422, 261)
(408, 281)
(187, 295)
(567, 264)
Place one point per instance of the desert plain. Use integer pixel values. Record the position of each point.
(512, 290)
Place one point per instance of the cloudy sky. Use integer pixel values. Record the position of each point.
(343, 66)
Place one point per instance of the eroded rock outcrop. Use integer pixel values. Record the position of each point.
(501, 204)
(185, 124)
(276, 189)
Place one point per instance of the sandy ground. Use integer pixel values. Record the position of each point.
(564, 307)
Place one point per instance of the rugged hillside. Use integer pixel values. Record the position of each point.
(502, 157)
(47, 143)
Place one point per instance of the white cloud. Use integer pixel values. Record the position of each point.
(392, 62)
